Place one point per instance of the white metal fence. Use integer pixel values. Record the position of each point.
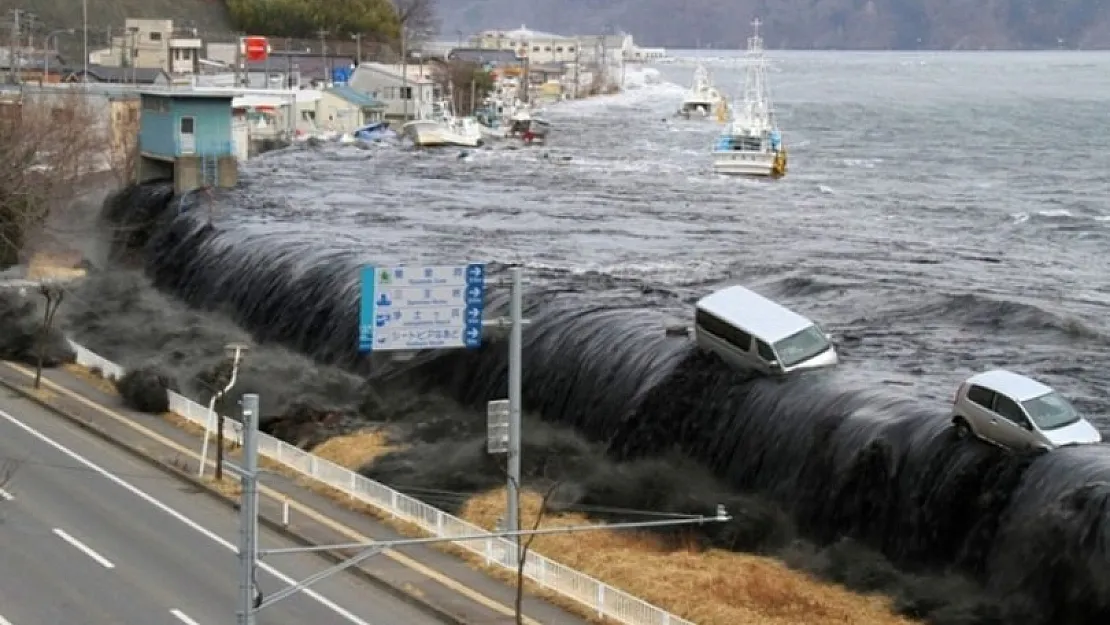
(605, 600)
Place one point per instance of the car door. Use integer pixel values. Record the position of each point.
(1011, 426)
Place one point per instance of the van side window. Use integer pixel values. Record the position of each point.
(738, 338)
(765, 351)
(1008, 408)
(981, 396)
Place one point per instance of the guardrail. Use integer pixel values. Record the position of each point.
(606, 601)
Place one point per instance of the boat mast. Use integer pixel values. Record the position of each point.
(757, 100)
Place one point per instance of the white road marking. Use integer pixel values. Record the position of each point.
(150, 499)
(180, 616)
(6, 496)
(85, 549)
(4, 621)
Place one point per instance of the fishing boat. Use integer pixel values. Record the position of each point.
(702, 97)
(528, 125)
(751, 144)
(444, 128)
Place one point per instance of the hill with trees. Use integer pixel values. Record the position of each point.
(804, 24)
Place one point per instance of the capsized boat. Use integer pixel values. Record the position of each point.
(751, 144)
(702, 97)
(375, 132)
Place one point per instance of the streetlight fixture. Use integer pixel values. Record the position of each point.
(46, 49)
(235, 353)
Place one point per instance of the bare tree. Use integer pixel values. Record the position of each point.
(417, 17)
(53, 294)
(526, 545)
(48, 146)
(123, 141)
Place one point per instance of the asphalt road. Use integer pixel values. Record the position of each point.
(90, 535)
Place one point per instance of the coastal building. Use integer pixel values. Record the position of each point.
(539, 47)
(410, 88)
(345, 109)
(152, 44)
(187, 136)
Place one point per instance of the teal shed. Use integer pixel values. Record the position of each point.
(186, 136)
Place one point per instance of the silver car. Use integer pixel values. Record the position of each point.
(1011, 410)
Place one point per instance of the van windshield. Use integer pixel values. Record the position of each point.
(1050, 411)
(802, 346)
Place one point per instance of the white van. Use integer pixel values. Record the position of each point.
(749, 331)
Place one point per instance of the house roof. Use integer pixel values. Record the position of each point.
(355, 96)
(123, 74)
(482, 55)
(524, 33)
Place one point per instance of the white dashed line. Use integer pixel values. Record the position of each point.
(101, 560)
(6, 496)
(153, 501)
(4, 621)
(181, 616)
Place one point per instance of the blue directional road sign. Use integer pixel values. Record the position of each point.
(414, 308)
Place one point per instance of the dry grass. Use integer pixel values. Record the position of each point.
(101, 383)
(356, 450)
(713, 587)
(227, 486)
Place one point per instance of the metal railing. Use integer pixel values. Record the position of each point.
(604, 600)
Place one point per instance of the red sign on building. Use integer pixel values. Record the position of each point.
(254, 48)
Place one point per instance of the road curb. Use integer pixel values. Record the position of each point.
(331, 555)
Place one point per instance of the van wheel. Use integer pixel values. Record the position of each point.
(963, 430)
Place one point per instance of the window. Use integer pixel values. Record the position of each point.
(406, 93)
(156, 36)
(1008, 408)
(558, 48)
(570, 49)
(1050, 411)
(535, 48)
(765, 351)
(728, 333)
(981, 396)
(134, 53)
(547, 48)
(801, 346)
(187, 125)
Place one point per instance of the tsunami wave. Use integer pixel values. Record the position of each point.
(843, 458)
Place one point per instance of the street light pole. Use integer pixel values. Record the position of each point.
(235, 351)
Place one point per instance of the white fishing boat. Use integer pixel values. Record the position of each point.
(702, 98)
(443, 128)
(528, 125)
(751, 144)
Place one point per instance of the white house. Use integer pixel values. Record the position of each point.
(412, 91)
(540, 48)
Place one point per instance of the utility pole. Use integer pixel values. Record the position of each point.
(85, 39)
(358, 49)
(516, 318)
(249, 598)
(239, 43)
(324, 53)
(405, 73)
(13, 44)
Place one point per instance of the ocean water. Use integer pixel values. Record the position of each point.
(943, 213)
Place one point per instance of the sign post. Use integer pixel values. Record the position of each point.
(416, 308)
(497, 426)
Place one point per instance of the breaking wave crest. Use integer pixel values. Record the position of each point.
(844, 459)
